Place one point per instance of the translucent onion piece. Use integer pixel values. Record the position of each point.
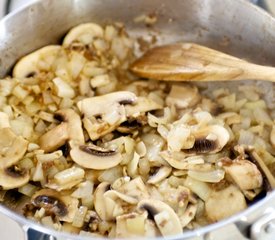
(212, 176)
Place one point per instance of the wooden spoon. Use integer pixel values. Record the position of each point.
(193, 62)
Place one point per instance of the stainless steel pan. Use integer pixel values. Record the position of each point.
(234, 26)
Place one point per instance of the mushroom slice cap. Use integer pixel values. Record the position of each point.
(28, 65)
(98, 105)
(210, 139)
(224, 203)
(103, 114)
(64, 207)
(74, 124)
(164, 216)
(94, 157)
(84, 33)
(12, 148)
(11, 178)
(97, 129)
(55, 138)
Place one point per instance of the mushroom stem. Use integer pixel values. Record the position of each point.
(70, 128)
(54, 138)
(256, 158)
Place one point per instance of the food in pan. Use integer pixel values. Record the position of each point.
(94, 150)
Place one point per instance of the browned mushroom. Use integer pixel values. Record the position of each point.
(164, 216)
(28, 65)
(231, 197)
(210, 139)
(103, 114)
(64, 207)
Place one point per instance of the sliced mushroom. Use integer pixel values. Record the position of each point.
(29, 65)
(224, 203)
(162, 173)
(55, 138)
(94, 157)
(84, 33)
(210, 139)
(134, 188)
(183, 96)
(12, 177)
(64, 207)
(251, 194)
(103, 114)
(244, 173)
(74, 124)
(164, 216)
(142, 105)
(12, 148)
(70, 128)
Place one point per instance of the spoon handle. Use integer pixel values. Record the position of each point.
(257, 72)
(193, 62)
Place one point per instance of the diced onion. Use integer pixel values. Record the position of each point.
(63, 89)
(211, 176)
(28, 189)
(84, 189)
(100, 80)
(79, 217)
(198, 187)
(69, 175)
(49, 156)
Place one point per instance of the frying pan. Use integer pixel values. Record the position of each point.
(233, 26)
